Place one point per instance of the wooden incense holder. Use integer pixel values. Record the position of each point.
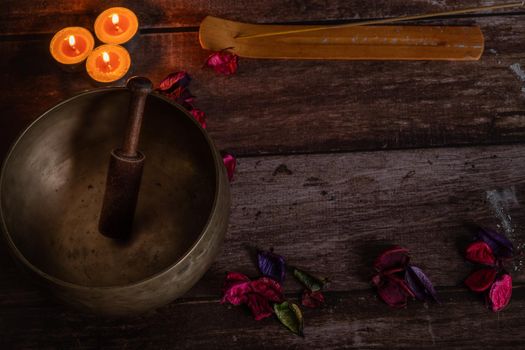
(125, 169)
(386, 42)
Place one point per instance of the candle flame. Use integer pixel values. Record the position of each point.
(115, 19)
(72, 41)
(105, 57)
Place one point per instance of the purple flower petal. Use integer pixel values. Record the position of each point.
(420, 284)
(500, 244)
(271, 265)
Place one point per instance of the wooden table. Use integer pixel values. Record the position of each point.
(336, 160)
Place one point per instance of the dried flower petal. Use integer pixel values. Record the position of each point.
(268, 288)
(238, 289)
(230, 163)
(481, 280)
(290, 316)
(500, 293)
(392, 291)
(174, 81)
(312, 299)
(182, 96)
(311, 282)
(235, 289)
(480, 252)
(271, 265)
(259, 306)
(500, 245)
(420, 284)
(200, 116)
(393, 257)
(223, 62)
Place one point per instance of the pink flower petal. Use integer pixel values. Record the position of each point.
(200, 116)
(223, 62)
(237, 294)
(481, 280)
(500, 293)
(392, 258)
(480, 252)
(312, 299)
(230, 163)
(268, 288)
(235, 288)
(259, 306)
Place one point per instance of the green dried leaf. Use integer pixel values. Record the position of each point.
(290, 316)
(313, 283)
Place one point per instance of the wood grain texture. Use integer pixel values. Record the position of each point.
(274, 106)
(333, 213)
(354, 320)
(50, 16)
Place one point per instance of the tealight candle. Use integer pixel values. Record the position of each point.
(71, 45)
(108, 63)
(116, 25)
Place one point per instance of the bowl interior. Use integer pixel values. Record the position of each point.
(54, 182)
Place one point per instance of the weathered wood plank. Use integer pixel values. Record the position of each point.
(332, 213)
(50, 16)
(273, 106)
(350, 320)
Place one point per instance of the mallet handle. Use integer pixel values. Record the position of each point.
(140, 88)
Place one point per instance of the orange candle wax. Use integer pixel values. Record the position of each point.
(108, 63)
(71, 45)
(116, 25)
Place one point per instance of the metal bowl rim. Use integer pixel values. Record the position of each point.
(60, 282)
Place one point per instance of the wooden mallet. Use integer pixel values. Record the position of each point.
(125, 169)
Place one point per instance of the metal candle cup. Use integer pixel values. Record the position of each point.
(108, 63)
(116, 25)
(71, 46)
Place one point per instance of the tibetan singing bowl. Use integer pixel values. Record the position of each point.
(51, 190)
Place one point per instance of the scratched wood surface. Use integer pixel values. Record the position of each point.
(350, 105)
(169, 14)
(333, 166)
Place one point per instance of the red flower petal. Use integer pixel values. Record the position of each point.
(268, 288)
(223, 62)
(500, 293)
(235, 289)
(392, 293)
(200, 116)
(259, 306)
(481, 280)
(174, 81)
(394, 257)
(230, 163)
(312, 299)
(237, 294)
(480, 252)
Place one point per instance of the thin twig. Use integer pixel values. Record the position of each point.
(384, 21)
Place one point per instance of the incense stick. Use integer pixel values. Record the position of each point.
(385, 21)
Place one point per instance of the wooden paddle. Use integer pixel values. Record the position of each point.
(352, 41)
